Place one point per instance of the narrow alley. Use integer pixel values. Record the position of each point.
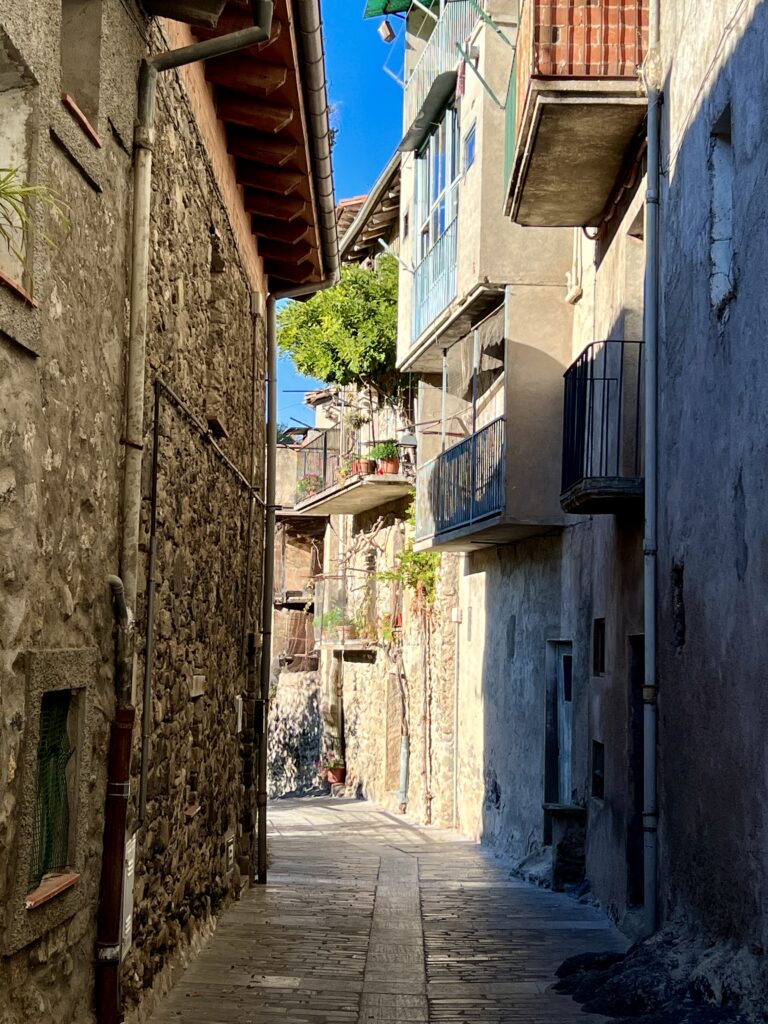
(369, 918)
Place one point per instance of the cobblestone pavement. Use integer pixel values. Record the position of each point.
(367, 918)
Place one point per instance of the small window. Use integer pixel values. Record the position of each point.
(598, 647)
(598, 770)
(50, 825)
(16, 107)
(80, 54)
(470, 144)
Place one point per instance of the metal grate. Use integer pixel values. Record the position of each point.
(50, 826)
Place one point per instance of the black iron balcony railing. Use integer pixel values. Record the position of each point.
(603, 427)
(463, 485)
(317, 466)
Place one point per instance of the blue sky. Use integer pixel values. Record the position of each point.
(367, 113)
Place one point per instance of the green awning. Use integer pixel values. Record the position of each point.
(379, 8)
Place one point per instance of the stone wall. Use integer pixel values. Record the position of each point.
(61, 373)
(406, 670)
(195, 846)
(61, 408)
(295, 734)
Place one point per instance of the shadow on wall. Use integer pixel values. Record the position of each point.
(713, 775)
(529, 615)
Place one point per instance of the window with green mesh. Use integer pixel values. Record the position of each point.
(50, 837)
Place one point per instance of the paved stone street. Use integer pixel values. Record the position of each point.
(367, 918)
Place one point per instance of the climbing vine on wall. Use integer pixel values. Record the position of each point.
(415, 570)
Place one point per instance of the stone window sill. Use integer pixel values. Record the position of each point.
(81, 119)
(51, 886)
(17, 289)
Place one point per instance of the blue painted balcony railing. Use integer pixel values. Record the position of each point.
(439, 54)
(463, 485)
(434, 282)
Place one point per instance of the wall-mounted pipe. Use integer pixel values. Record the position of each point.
(651, 334)
(108, 996)
(109, 918)
(149, 650)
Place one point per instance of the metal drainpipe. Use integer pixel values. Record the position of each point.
(107, 991)
(651, 332)
(109, 917)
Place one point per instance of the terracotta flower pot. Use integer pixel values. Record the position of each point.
(364, 467)
(347, 632)
(389, 466)
(336, 776)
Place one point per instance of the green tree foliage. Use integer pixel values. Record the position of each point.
(347, 334)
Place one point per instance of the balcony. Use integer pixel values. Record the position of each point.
(329, 483)
(464, 485)
(603, 429)
(433, 79)
(434, 282)
(575, 108)
(499, 482)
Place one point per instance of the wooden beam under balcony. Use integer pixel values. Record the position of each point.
(262, 117)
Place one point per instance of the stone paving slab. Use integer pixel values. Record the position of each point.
(368, 919)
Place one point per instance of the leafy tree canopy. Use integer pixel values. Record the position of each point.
(347, 334)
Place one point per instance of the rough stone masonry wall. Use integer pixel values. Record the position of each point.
(61, 377)
(61, 408)
(194, 848)
(421, 655)
(295, 733)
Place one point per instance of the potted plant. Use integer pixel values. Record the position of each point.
(331, 765)
(309, 485)
(387, 454)
(347, 630)
(364, 466)
(330, 621)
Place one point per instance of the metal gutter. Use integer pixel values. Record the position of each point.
(312, 54)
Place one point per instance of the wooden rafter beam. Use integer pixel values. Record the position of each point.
(250, 113)
(245, 75)
(268, 179)
(279, 207)
(284, 252)
(297, 273)
(280, 231)
(264, 149)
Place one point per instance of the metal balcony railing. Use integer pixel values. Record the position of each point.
(439, 54)
(463, 485)
(602, 424)
(434, 281)
(317, 464)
